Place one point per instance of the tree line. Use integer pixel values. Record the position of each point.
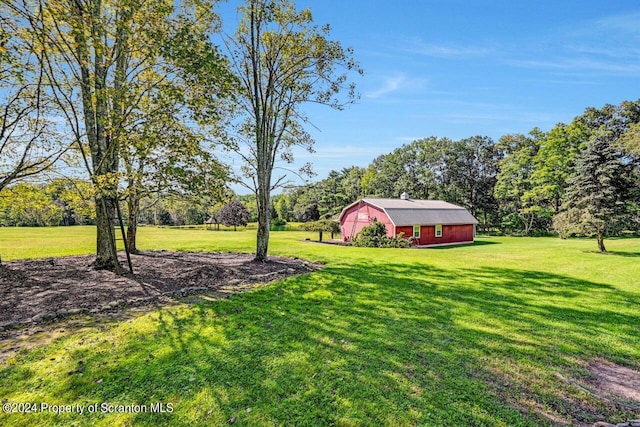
(65, 202)
(581, 178)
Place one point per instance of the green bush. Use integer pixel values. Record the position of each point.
(375, 236)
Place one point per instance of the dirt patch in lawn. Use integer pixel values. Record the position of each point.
(612, 390)
(617, 383)
(44, 292)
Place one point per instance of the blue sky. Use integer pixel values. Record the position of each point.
(458, 68)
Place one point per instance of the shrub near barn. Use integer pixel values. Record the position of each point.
(375, 236)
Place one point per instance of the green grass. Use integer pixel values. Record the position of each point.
(467, 335)
(44, 242)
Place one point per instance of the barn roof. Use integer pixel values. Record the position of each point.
(420, 212)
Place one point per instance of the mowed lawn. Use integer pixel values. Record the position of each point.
(501, 332)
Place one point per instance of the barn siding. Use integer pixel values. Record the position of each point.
(450, 234)
(407, 230)
(362, 218)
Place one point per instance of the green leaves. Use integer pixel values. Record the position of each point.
(592, 200)
(375, 236)
(234, 213)
(29, 140)
(282, 61)
(631, 140)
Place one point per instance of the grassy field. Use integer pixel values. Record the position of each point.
(501, 333)
(44, 242)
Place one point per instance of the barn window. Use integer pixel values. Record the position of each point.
(438, 230)
(416, 231)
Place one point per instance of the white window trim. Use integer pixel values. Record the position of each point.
(414, 231)
(438, 228)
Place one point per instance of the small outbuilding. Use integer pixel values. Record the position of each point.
(425, 222)
(211, 221)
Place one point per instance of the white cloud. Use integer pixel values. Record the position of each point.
(605, 46)
(629, 24)
(445, 51)
(390, 84)
(582, 64)
(396, 83)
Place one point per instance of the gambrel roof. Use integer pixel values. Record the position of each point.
(404, 212)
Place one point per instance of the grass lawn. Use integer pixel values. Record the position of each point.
(496, 333)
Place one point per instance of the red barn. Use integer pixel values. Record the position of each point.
(427, 222)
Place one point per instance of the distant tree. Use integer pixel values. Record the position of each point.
(283, 207)
(391, 174)
(301, 198)
(352, 183)
(249, 200)
(593, 203)
(469, 174)
(29, 205)
(514, 181)
(332, 195)
(310, 213)
(165, 218)
(195, 215)
(234, 213)
(553, 164)
(462, 172)
(76, 198)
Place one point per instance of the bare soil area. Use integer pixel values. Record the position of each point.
(616, 383)
(48, 290)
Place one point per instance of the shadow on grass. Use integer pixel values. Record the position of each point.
(476, 243)
(623, 254)
(366, 344)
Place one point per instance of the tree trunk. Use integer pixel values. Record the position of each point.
(132, 230)
(105, 211)
(320, 236)
(132, 223)
(601, 247)
(96, 120)
(264, 221)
